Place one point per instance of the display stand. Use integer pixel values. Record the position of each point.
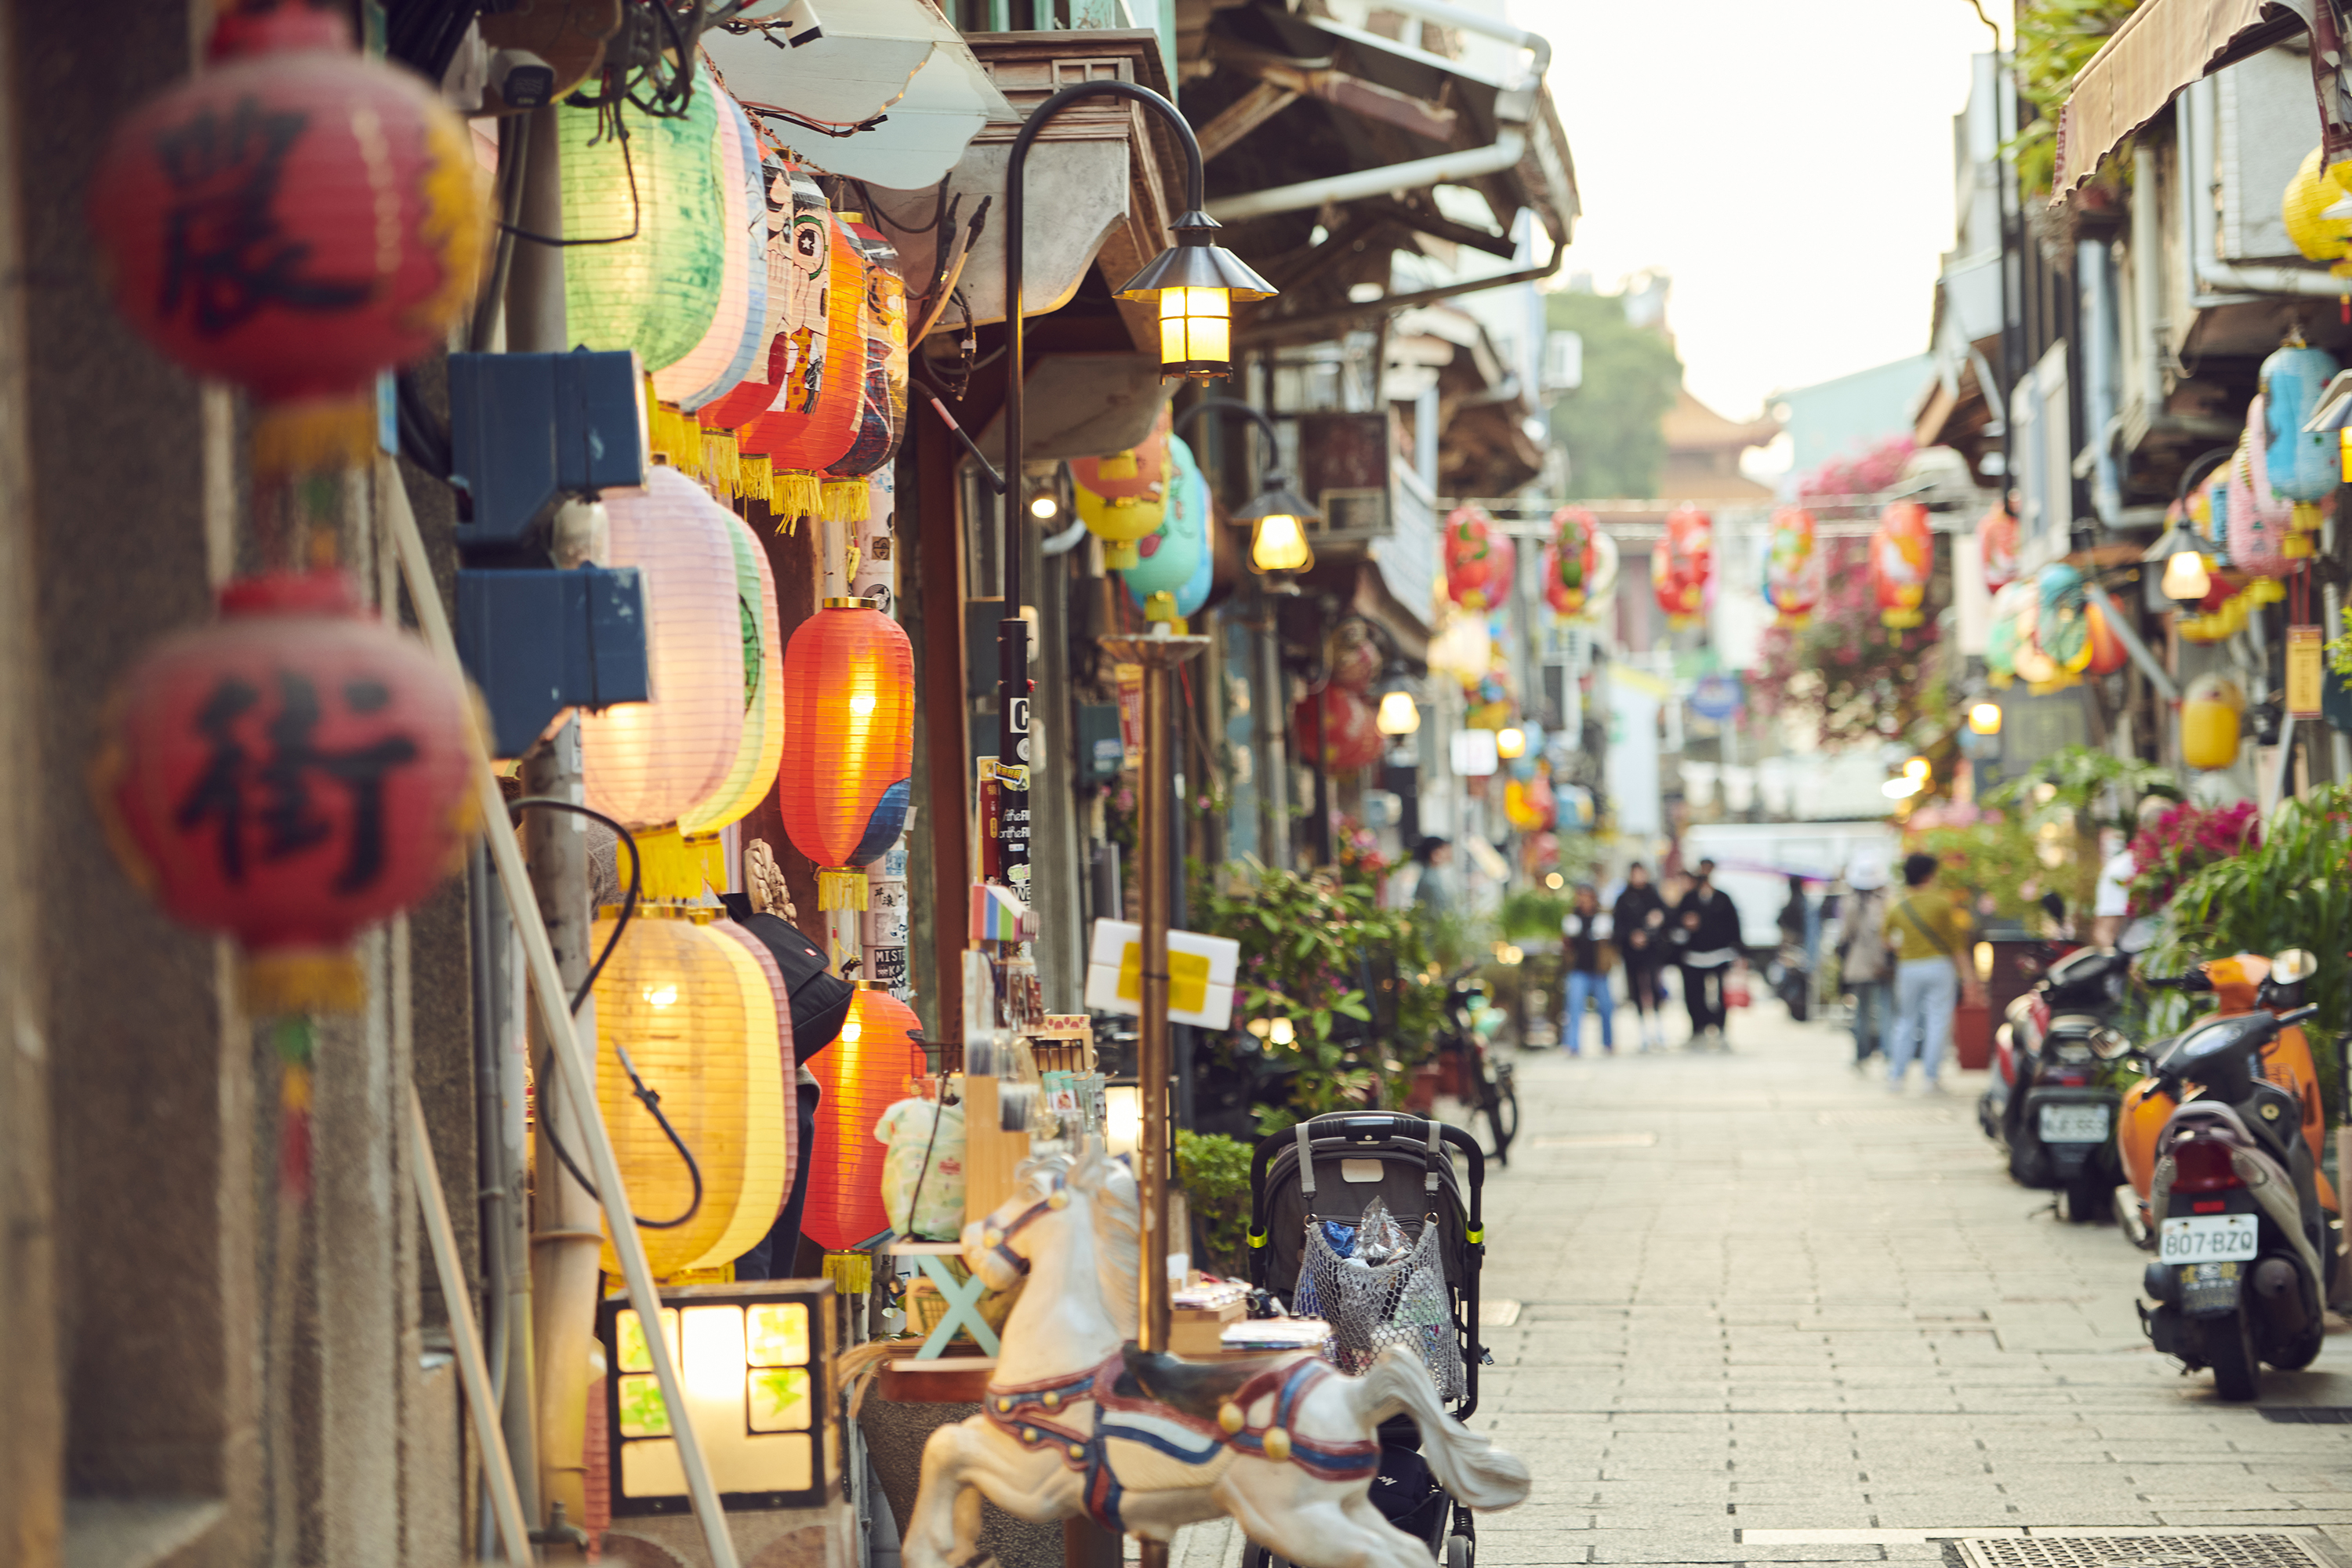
(961, 1296)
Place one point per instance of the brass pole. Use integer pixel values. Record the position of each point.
(1158, 655)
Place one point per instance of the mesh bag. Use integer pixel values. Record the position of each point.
(1371, 1306)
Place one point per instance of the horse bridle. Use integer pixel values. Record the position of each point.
(998, 1240)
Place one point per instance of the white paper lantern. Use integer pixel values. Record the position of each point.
(703, 374)
(761, 748)
(650, 763)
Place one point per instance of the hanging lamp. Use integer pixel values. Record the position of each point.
(863, 1073)
(849, 676)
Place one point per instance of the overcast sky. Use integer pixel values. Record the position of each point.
(1789, 162)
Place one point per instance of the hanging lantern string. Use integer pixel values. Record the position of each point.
(647, 1097)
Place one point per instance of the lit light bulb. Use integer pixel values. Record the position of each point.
(2186, 581)
(851, 1028)
(1399, 714)
(1984, 717)
(1902, 788)
(1280, 544)
(862, 704)
(1511, 743)
(1917, 768)
(661, 996)
(1555, 881)
(1279, 1032)
(1045, 509)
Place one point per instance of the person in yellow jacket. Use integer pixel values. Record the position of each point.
(1928, 934)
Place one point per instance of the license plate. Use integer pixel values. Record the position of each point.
(2211, 1239)
(2073, 1125)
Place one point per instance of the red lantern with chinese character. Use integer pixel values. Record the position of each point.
(1682, 566)
(863, 1074)
(802, 436)
(295, 219)
(1351, 733)
(291, 774)
(1475, 559)
(1568, 561)
(1902, 553)
(849, 744)
(1996, 543)
(1793, 566)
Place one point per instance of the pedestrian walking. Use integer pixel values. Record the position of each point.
(1429, 891)
(1585, 931)
(1707, 927)
(1640, 920)
(1865, 967)
(1928, 934)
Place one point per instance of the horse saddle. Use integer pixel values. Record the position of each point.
(1200, 1388)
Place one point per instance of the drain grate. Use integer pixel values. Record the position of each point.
(2309, 1415)
(2144, 1549)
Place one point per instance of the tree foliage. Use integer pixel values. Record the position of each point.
(1610, 424)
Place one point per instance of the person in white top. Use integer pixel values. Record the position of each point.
(2111, 921)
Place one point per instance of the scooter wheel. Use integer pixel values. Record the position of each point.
(2230, 1351)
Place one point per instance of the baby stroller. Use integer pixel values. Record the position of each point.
(1308, 1189)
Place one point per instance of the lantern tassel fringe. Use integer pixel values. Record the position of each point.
(852, 1273)
(754, 477)
(845, 501)
(721, 463)
(672, 868)
(840, 889)
(793, 494)
(283, 985)
(676, 438)
(320, 435)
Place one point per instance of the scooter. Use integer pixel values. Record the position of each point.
(2241, 984)
(2239, 1276)
(2043, 1106)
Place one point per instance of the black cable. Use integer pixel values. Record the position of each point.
(646, 1097)
(878, 210)
(637, 207)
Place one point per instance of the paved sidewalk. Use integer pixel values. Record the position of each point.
(1770, 1313)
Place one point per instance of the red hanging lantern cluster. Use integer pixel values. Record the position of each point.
(289, 776)
(1682, 566)
(1568, 561)
(1793, 568)
(1902, 553)
(863, 1073)
(1479, 560)
(295, 219)
(849, 744)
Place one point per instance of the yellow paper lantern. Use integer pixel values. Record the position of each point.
(2303, 207)
(2211, 711)
(1119, 522)
(697, 1016)
(649, 763)
(761, 750)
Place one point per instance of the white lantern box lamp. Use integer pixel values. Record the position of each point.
(1195, 282)
(756, 1360)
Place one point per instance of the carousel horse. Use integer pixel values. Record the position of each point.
(1078, 1420)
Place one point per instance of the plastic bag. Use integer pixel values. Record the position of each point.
(922, 1175)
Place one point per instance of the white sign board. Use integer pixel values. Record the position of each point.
(1475, 756)
(1200, 974)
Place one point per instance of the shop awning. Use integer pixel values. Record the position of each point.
(2160, 49)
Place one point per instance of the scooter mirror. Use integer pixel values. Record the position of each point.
(2292, 966)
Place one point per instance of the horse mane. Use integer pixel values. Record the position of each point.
(1117, 1206)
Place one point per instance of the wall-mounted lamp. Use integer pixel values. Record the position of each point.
(1984, 717)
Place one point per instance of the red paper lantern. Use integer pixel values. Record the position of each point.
(849, 744)
(1476, 559)
(291, 774)
(1902, 553)
(801, 442)
(1682, 566)
(1997, 542)
(882, 400)
(295, 220)
(1567, 563)
(863, 1074)
(1351, 731)
(2107, 654)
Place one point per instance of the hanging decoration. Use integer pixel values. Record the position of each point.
(697, 1017)
(1682, 567)
(1136, 474)
(2304, 205)
(2107, 652)
(862, 1074)
(2260, 525)
(849, 726)
(791, 361)
(290, 774)
(761, 748)
(882, 398)
(1997, 544)
(727, 343)
(296, 219)
(815, 417)
(2212, 711)
(2301, 466)
(1600, 575)
(1794, 571)
(774, 1007)
(2062, 622)
(1475, 559)
(1902, 553)
(1567, 561)
(650, 763)
(1463, 649)
(2005, 628)
(1351, 735)
(1175, 561)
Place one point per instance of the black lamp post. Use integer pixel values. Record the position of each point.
(1195, 282)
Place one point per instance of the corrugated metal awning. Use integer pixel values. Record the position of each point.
(2160, 49)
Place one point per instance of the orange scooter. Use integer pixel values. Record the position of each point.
(2241, 984)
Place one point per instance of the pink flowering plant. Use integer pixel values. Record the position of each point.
(2183, 842)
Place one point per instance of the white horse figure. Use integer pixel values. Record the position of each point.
(1078, 1420)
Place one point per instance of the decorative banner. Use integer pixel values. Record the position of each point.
(1902, 553)
(2302, 680)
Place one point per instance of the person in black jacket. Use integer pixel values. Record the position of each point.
(1640, 919)
(1708, 933)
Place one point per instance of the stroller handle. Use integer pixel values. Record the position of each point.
(1375, 1123)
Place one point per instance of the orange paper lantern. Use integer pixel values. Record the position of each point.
(882, 400)
(802, 441)
(849, 744)
(863, 1074)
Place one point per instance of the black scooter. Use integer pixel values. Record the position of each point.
(2044, 1106)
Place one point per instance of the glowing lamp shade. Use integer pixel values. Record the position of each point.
(762, 748)
(2185, 579)
(1195, 284)
(1122, 1118)
(1510, 743)
(882, 397)
(650, 763)
(863, 1073)
(1196, 331)
(849, 728)
(1984, 717)
(1399, 714)
(723, 356)
(1278, 543)
(697, 1017)
(1917, 768)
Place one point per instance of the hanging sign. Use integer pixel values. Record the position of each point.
(1200, 975)
(2303, 666)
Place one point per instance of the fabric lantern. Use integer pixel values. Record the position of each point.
(1902, 553)
(658, 291)
(800, 263)
(2259, 524)
(2303, 207)
(882, 397)
(862, 1074)
(1567, 561)
(295, 219)
(1135, 474)
(1119, 522)
(2107, 652)
(1174, 560)
(1682, 566)
(2033, 664)
(650, 763)
(761, 748)
(724, 354)
(2061, 624)
(814, 420)
(1996, 543)
(1793, 569)
(2005, 628)
(1600, 573)
(290, 774)
(776, 1002)
(1474, 577)
(849, 724)
(2212, 711)
(694, 1013)
(1351, 733)
(2301, 466)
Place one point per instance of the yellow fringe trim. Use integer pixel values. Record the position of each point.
(754, 477)
(793, 494)
(1118, 466)
(845, 501)
(672, 870)
(852, 1273)
(721, 464)
(840, 889)
(317, 436)
(1120, 555)
(278, 985)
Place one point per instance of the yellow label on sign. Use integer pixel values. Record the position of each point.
(2302, 672)
(2343, 441)
(1187, 978)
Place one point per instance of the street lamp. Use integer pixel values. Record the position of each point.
(1398, 713)
(1984, 717)
(1510, 743)
(1277, 515)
